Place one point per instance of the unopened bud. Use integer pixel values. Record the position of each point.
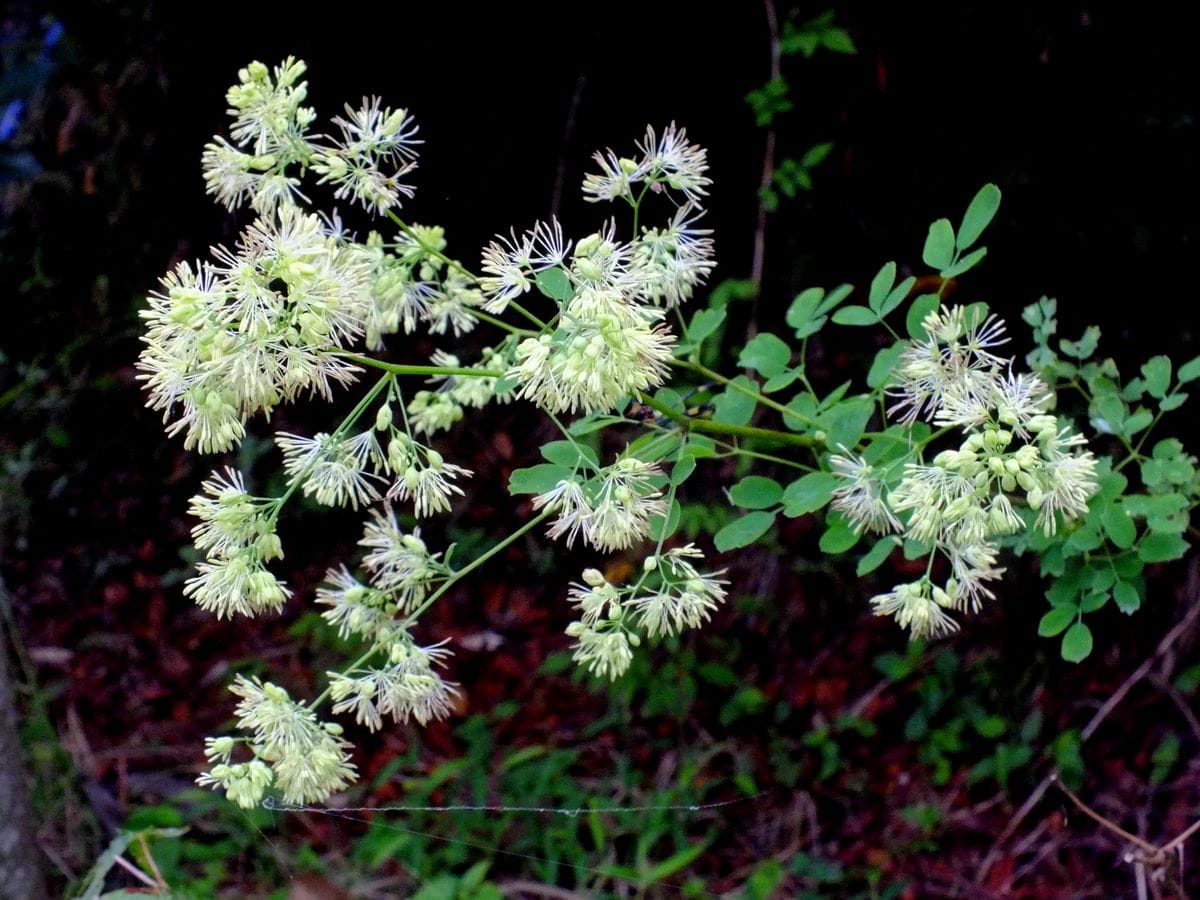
(593, 578)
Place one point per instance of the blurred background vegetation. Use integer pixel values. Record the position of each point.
(864, 766)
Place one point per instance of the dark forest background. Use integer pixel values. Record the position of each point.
(1085, 116)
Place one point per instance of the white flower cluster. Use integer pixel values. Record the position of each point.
(306, 759)
(402, 571)
(1011, 450)
(666, 161)
(376, 147)
(611, 510)
(237, 531)
(354, 470)
(262, 324)
(610, 340)
(411, 285)
(253, 329)
(407, 687)
(432, 411)
(671, 595)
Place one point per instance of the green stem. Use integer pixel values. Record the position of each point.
(346, 424)
(740, 388)
(735, 450)
(500, 323)
(710, 427)
(474, 564)
(446, 585)
(513, 304)
(398, 369)
(358, 663)
(462, 270)
(432, 251)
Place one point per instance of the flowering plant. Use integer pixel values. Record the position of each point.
(969, 455)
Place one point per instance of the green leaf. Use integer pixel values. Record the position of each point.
(765, 353)
(1127, 597)
(555, 284)
(537, 479)
(921, 307)
(651, 447)
(990, 727)
(1085, 346)
(93, 885)
(847, 421)
(881, 286)
(815, 155)
(700, 446)
(965, 264)
(834, 297)
(939, 245)
(898, 295)
(839, 536)
(670, 398)
(566, 453)
(1093, 601)
(877, 555)
(1133, 390)
(884, 364)
(838, 40)
(978, 216)
(780, 381)
(756, 492)
(1118, 526)
(731, 406)
(1189, 371)
(1084, 540)
(808, 493)
(704, 323)
(1161, 547)
(673, 864)
(810, 310)
(683, 468)
(1157, 375)
(662, 527)
(589, 424)
(1077, 643)
(1110, 414)
(743, 531)
(802, 315)
(855, 315)
(1057, 619)
(1103, 579)
(804, 408)
(1138, 421)
(504, 385)
(1173, 401)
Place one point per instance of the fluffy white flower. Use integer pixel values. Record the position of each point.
(914, 609)
(333, 470)
(860, 498)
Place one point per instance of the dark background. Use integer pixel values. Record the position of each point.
(1085, 116)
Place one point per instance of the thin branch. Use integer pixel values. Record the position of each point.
(1176, 841)
(560, 174)
(1164, 646)
(768, 169)
(1096, 817)
(136, 872)
(1180, 702)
